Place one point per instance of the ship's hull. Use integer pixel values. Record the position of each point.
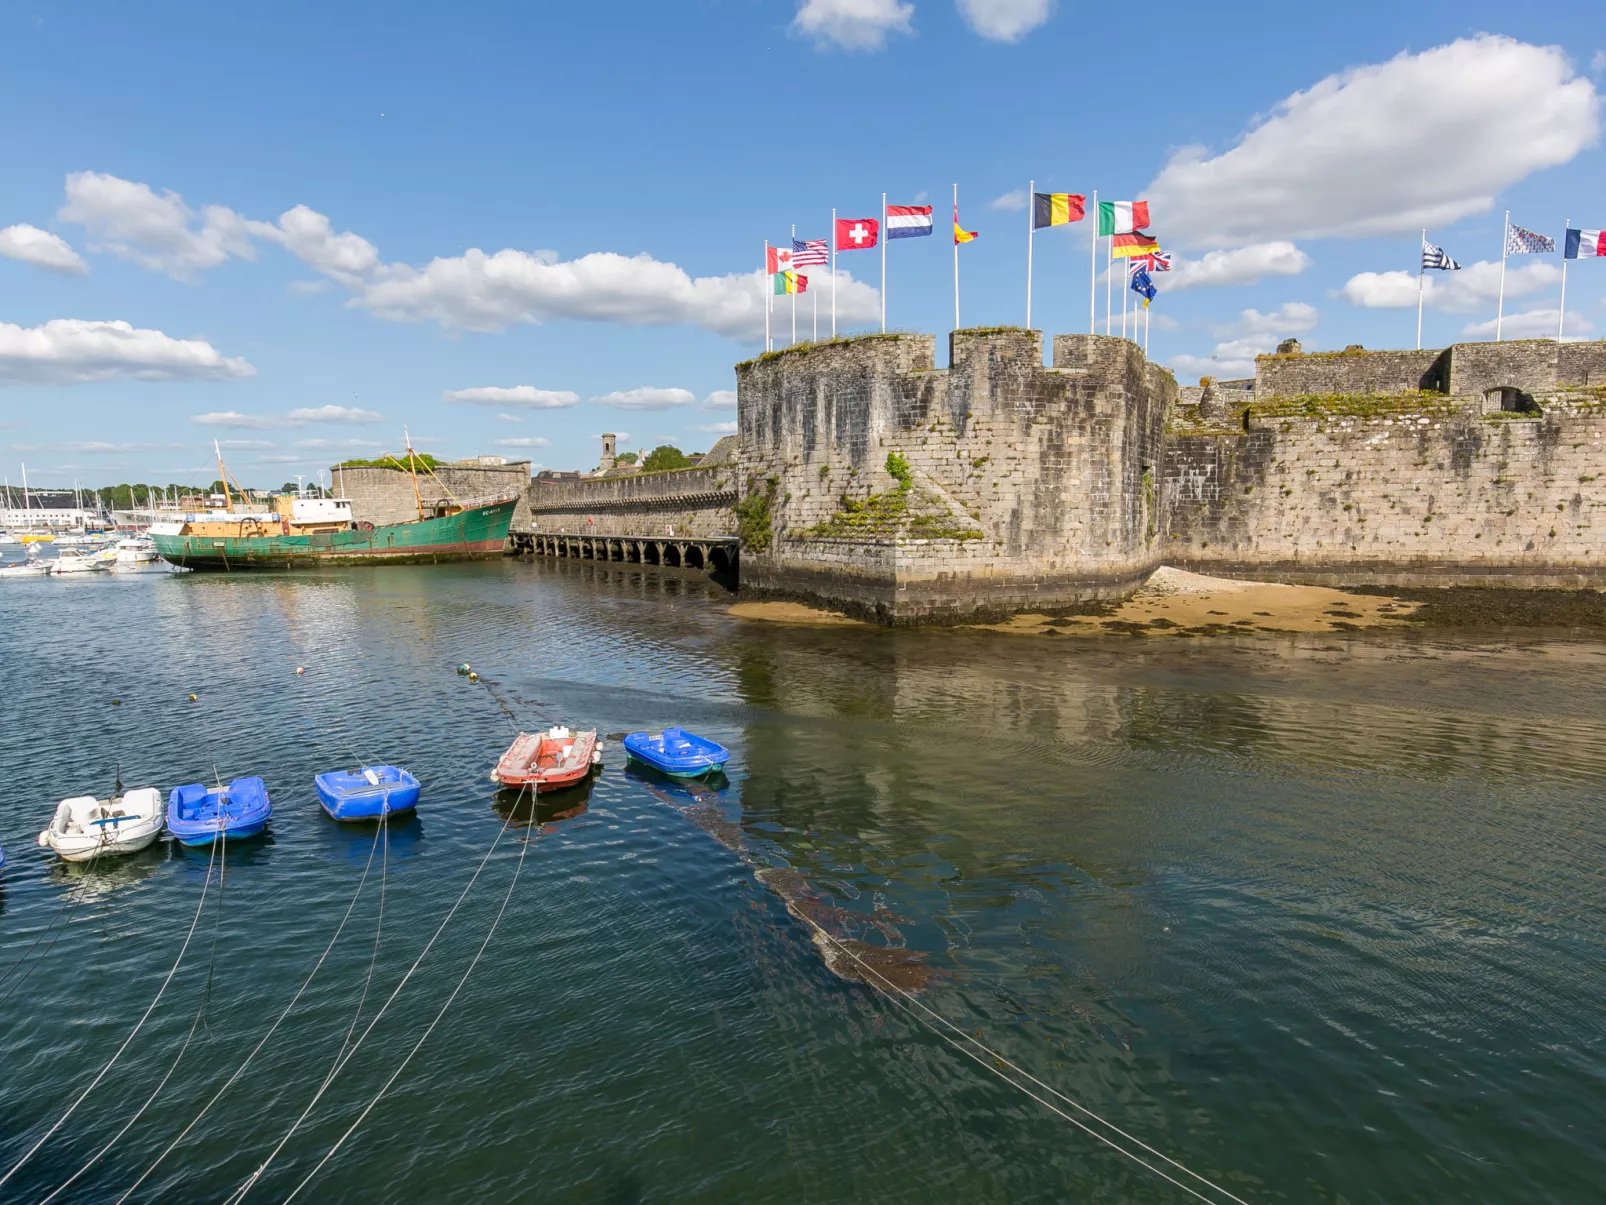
(478, 533)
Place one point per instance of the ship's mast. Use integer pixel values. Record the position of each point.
(417, 499)
(223, 478)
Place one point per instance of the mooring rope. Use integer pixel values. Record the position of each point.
(101, 1074)
(239, 1193)
(272, 1029)
(913, 1001)
(63, 914)
(402, 1066)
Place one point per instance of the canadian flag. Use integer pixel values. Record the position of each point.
(778, 259)
(856, 234)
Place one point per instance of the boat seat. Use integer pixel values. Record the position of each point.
(191, 794)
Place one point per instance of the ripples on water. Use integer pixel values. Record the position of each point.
(1322, 920)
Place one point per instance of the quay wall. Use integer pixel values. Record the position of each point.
(385, 495)
(691, 503)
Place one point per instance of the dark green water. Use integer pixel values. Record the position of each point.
(1320, 918)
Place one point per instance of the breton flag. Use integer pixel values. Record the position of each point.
(1526, 242)
(778, 259)
(1136, 243)
(1056, 208)
(1152, 261)
(856, 234)
(808, 252)
(1122, 217)
(1435, 257)
(1585, 244)
(962, 235)
(908, 221)
(790, 282)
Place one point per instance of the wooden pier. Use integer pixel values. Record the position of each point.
(718, 554)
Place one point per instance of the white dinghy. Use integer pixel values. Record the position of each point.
(85, 827)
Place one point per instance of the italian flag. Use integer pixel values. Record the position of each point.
(1122, 217)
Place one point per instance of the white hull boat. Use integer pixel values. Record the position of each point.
(33, 567)
(136, 553)
(85, 827)
(71, 561)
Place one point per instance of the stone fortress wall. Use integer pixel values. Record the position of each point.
(1477, 464)
(385, 495)
(690, 503)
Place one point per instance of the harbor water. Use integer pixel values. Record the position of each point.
(1318, 917)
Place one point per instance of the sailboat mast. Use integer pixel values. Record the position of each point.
(223, 478)
(27, 506)
(413, 468)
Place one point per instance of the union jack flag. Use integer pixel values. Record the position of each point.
(1526, 242)
(806, 252)
(1153, 261)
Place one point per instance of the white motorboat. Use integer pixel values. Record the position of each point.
(135, 551)
(34, 566)
(85, 827)
(70, 560)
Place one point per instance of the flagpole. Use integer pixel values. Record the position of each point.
(1093, 270)
(883, 241)
(794, 296)
(1500, 306)
(956, 257)
(1031, 189)
(1109, 272)
(769, 287)
(1146, 331)
(1421, 268)
(1561, 318)
(816, 304)
(1125, 289)
(833, 272)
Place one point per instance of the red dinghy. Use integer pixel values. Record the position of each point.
(550, 760)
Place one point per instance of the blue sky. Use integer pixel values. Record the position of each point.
(512, 227)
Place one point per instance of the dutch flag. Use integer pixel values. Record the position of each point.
(908, 221)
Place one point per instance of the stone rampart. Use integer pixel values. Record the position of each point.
(385, 495)
(1306, 374)
(691, 503)
(1024, 486)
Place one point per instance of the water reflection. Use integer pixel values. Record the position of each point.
(521, 808)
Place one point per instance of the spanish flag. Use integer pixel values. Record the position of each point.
(1056, 208)
(1136, 243)
(961, 235)
(790, 282)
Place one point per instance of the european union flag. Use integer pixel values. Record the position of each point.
(1143, 286)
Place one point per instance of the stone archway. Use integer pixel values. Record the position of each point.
(1511, 400)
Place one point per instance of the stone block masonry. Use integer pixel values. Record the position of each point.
(1016, 486)
(688, 503)
(385, 495)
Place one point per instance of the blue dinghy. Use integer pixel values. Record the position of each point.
(198, 814)
(678, 752)
(367, 793)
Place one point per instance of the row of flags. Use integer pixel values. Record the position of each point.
(1518, 240)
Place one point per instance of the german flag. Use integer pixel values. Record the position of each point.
(1056, 208)
(1136, 243)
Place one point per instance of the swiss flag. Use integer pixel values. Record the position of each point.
(856, 234)
(779, 260)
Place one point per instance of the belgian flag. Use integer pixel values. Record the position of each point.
(1056, 208)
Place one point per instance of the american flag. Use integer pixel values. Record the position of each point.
(1526, 242)
(1154, 261)
(808, 251)
(1435, 257)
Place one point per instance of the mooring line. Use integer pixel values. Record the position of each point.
(239, 1193)
(373, 957)
(995, 1055)
(60, 1121)
(63, 914)
(524, 848)
(263, 1040)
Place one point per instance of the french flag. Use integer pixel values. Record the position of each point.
(1585, 244)
(908, 221)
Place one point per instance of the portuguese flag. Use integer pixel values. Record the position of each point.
(790, 282)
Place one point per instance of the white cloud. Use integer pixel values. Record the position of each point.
(70, 351)
(515, 395)
(509, 418)
(247, 444)
(1005, 20)
(1531, 324)
(532, 441)
(157, 232)
(346, 258)
(1232, 359)
(94, 447)
(646, 398)
(1013, 201)
(41, 249)
(720, 399)
(720, 428)
(1474, 287)
(1597, 62)
(283, 458)
(242, 422)
(853, 24)
(1421, 140)
(1290, 318)
(1236, 266)
(334, 414)
(336, 443)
